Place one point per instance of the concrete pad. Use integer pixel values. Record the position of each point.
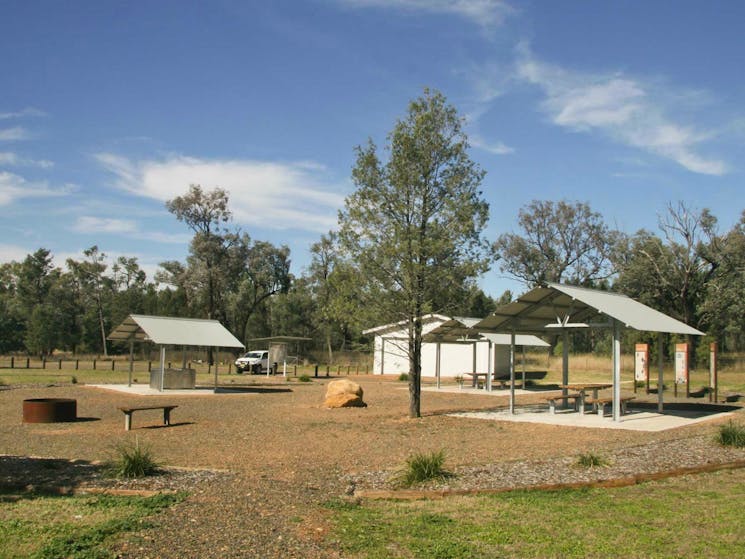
(477, 391)
(145, 390)
(636, 420)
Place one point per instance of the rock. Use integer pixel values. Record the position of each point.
(344, 394)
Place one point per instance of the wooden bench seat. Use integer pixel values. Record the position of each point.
(129, 410)
(552, 401)
(600, 403)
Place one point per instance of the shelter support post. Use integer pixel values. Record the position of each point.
(523, 367)
(183, 361)
(131, 361)
(512, 372)
(217, 353)
(474, 363)
(489, 367)
(162, 366)
(616, 371)
(564, 362)
(660, 375)
(437, 363)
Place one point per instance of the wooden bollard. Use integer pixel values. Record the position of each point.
(60, 365)
(94, 364)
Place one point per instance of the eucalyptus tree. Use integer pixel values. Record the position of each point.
(559, 242)
(413, 224)
(95, 290)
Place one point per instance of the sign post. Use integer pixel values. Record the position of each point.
(681, 367)
(713, 380)
(641, 365)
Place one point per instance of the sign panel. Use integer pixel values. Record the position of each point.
(641, 362)
(681, 363)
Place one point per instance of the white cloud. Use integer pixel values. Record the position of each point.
(497, 148)
(14, 187)
(13, 134)
(625, 109)
(486, 13)
(23, 113)
(126, 227)
(265, 194)
(11, 159)
(10, 253)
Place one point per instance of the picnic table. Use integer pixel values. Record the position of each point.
(475, 378)
(582, 388)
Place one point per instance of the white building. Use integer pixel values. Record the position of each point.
(391, 350)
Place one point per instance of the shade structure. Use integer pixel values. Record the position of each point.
(166, 330)
(559, 308)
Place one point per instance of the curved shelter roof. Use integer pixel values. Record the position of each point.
(563, 306)
(166, 330)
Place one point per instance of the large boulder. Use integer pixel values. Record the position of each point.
(344, 393)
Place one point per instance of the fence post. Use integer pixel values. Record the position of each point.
(315, 374)
(60, 365)
(12, 362)
(43, 362)
(348, 368)
(77, 364)
(149, 366)
(28, 363)
(328, 368)
(112, 364)
(94, 364)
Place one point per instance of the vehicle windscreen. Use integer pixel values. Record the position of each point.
(254, 354)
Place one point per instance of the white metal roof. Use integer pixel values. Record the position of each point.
(461, 329)
(164, 330)
(392, 327)
(556, 305)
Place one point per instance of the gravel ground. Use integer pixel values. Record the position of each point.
(261, 463)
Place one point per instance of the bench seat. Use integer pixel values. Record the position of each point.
(600, 403)
(129, 410)
(552, 401)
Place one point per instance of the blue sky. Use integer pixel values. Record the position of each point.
(108, 109)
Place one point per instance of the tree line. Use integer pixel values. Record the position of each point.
(409, 241)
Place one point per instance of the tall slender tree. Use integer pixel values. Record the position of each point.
(413, 225)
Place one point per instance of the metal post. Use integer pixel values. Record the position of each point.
(512, 372)
(616, 371)
(523, 363)
(217, 359)
(564, 362)
(660, 379)
(162, 366)
(437, 363)
(474, 364)
(488, 367)
(131, 361)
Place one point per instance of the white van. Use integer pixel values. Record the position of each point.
(256, 361)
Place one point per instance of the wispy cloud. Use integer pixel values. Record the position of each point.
(125, 227)
(265, 194)
(13, 134)
(485, 13)
(496, 148)
(11, 159)
(625, 109)
(23, 113)
(14, 187)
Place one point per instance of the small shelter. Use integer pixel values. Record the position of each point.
(556, 308)
(164, 331)
(450, 348)
(278, 349)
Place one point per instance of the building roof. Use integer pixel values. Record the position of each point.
(461, 330)
(165, 330)
(392, 327)
(563, 306)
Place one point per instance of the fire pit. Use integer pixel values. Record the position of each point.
(50, 410)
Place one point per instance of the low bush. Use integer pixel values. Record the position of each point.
(422, 467)
(303, 378)
(403, 377)
(591, 460)
(133, 461)
(732, 434)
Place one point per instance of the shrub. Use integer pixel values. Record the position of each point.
(73, 380)
(403, 377)
(591, 460)
(732, 434)
(303, 378)
(422, 467)
(133, 461)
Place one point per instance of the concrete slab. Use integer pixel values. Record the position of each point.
(145, 390)
(636, 420)
(477, 391)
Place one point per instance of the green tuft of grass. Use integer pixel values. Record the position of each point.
(303, 378)
(591, 460)
(421, 467)
(133, 461)
(731, 434)
(403, 377)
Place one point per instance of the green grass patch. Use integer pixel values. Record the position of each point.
(643, 521)
(731, 434)
(303, 378)
(403, 377)
(422, 467)
(591, 460)
(76, 527)
(133, 461)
